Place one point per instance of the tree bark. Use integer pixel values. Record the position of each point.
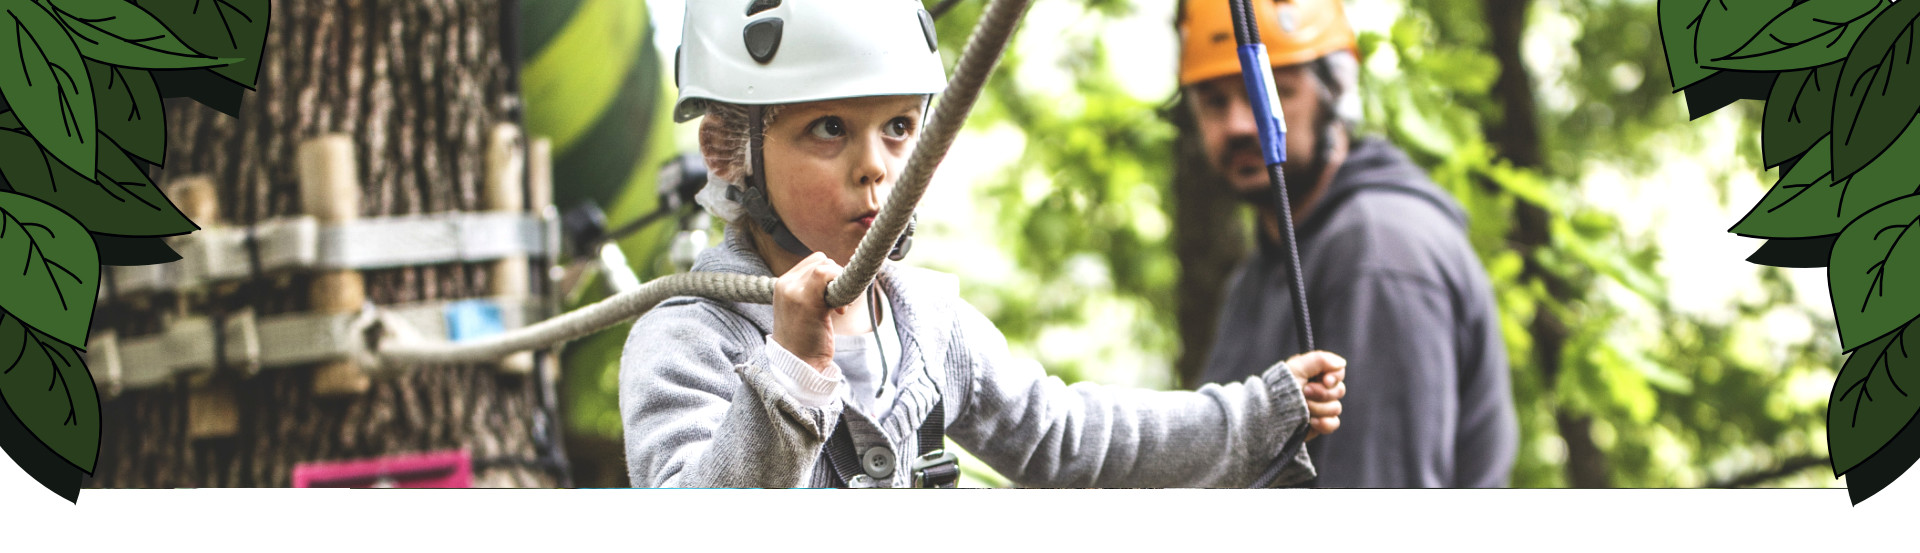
(1209, 239)
(416, 85)
(1516, 135)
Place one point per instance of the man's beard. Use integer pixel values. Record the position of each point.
(1301, 177)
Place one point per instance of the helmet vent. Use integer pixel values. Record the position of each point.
(926, 26)
(761, 5)
(763, 38)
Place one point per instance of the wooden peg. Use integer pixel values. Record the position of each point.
(103, 362)
(212, 409)
(330, 192)
(540, 201)
(506, 165)
(539, 175)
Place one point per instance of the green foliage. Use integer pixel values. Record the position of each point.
(610, 133)
(1799, 113)
(227, 29)
(1674, 398)
(1879, 78)
(128, 103)
(1854, 179)
(120, 200)
(1808, 35)
(1873, 273)
(59, 272)
(1869, 405)
(1807, 202)
(49, 389)
(127, 34)
(1080, 210)
(83, 120)
(49, 87)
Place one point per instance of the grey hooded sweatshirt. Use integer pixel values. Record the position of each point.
(1393, 286)
(701, 407)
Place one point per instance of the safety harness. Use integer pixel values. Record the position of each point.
(934, 468)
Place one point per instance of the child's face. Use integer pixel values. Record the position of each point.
(830, 165)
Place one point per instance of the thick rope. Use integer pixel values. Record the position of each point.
(977, 61)
(400, 346)
(404, 349)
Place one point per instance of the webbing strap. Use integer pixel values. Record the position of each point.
(250, 343)
(933, 433)
(846, 462)
(301, 243)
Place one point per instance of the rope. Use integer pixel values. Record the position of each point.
(977, 60)
(409, 348)
(398, 345)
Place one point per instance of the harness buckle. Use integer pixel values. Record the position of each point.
(936, 469)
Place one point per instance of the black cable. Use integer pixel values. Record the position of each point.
(941, 8)
(635, 226)
(1246, 31)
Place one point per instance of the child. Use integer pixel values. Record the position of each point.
(810, 111)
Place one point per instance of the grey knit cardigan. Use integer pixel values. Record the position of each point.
(701, 409)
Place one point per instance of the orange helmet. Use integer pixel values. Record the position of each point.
(1295, 31)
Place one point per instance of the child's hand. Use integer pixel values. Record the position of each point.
(802, 322)
(1322, 380)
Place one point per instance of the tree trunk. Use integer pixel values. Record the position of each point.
(1209, 238)
(417, 85)
(1516, 135)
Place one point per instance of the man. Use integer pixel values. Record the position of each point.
(1392, 282)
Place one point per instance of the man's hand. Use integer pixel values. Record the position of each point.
(802, 322)
(1322, 379)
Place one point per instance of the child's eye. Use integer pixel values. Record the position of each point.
(828, 128)
(899, 127)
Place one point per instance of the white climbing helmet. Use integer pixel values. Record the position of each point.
(785, 51)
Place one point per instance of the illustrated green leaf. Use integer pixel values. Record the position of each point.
(1798, 113)
(1879, 90)
(1811, 34)
(1807, 202)
(130, 111)
(47, 386)
(1679, 26)
(1876, 260)
(1727, 26)
(133, 250)
(1874, 396)
(235, 29)
(124, 34)
(45, 81)
(1695, 30)
(120, 200)
(48, 268)
(39, 461)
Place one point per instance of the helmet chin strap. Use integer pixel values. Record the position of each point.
(759, 206)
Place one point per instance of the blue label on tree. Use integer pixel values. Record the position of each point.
(472, 319)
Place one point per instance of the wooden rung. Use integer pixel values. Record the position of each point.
(212, 409)
(330, 191)
(506, 170)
